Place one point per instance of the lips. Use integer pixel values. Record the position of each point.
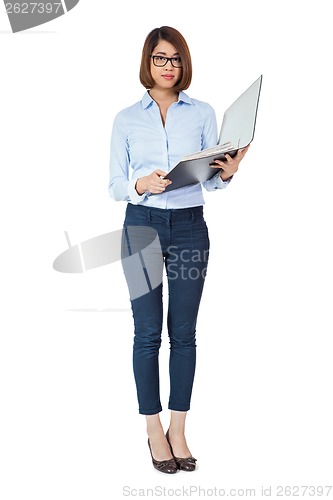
(168, 77)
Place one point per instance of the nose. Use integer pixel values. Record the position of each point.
(168, 65)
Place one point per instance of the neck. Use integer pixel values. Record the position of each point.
(163, 96)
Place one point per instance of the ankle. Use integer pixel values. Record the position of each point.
(157, 433)
(176, 431)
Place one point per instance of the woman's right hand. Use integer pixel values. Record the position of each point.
(152, 183)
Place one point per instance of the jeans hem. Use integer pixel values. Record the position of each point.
(150, 412)
(178, 407)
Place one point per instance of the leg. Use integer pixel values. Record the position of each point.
(159, 445)
(139, 251)
(147, 314)
(186, 268)
(177, 434)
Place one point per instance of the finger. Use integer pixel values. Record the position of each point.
(244, 150)
(240, 154)
(162, 184)
(220, 163)
(160, 172)
(158, 189)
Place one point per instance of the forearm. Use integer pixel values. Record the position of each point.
(216, 182)
(124, 190)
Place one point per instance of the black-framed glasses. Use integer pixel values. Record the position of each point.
(161, 61)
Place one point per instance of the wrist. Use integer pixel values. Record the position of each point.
(225, 176)
(140, 186)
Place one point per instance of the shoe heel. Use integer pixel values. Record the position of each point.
(187, 464)
(166, 466)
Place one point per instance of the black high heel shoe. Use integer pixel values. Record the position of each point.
(167, 466)
(187, 464)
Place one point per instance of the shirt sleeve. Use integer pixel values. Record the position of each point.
(216, 183)
(209, 132)
(121, 188)
(209, 139)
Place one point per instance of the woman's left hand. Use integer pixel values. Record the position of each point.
(230, 166)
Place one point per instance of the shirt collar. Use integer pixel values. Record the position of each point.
(184, 98)
(147, 100)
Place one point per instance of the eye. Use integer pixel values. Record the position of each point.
(160, 58)
(177, 59)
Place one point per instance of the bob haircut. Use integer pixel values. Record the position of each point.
(176, 39)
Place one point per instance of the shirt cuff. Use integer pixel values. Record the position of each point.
(221, 183)
(216, 183)
(133, 194)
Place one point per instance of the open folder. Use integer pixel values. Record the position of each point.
(237, 132)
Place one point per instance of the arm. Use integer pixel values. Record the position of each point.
(120, 187)
(209, 139)
(230, 165)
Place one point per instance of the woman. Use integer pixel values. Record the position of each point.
(151, 137)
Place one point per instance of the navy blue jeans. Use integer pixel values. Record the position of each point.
(184, 247)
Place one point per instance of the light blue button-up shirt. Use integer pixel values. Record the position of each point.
(141, 144)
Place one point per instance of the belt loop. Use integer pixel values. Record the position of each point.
(192, 214)
(149, 215)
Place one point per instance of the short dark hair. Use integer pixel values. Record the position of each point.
(176, 39)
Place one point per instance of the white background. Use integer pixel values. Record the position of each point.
(262, 402)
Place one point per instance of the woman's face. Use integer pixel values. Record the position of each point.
(165, 77)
